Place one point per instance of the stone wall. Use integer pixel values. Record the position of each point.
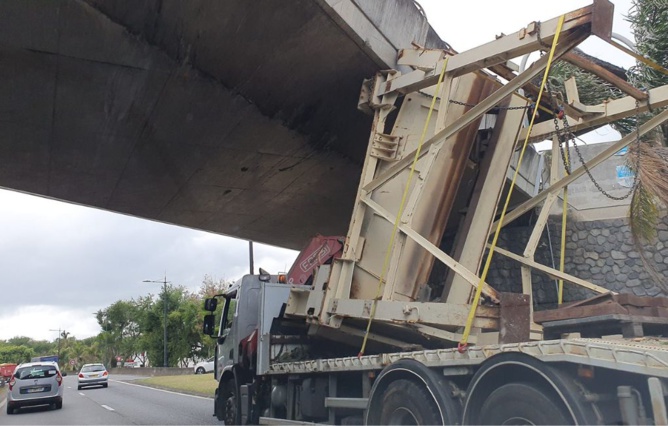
(600, 251)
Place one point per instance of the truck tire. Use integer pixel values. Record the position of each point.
(408, 391)
(406, 403)
(522, 388)
(226, 402)
(521, 403)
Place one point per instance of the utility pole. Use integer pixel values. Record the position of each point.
(164, 305)
(164, 337)
(59, 331)
(250, 256)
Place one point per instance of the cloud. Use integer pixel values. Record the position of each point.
(66, 257)
(40, 321)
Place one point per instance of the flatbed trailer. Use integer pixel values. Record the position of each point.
(644, 357)
(376, 335)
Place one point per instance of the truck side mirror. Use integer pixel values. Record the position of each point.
(209, 324)
(211, 304)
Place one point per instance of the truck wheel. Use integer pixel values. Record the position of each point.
(516, 388)
(226, 403)
(406, 403)
(521, 404)
(10, 409)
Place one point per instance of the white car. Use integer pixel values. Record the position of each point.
(205, 366)
(35, 383)
(93, 375)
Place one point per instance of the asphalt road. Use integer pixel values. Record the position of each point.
(122, 403)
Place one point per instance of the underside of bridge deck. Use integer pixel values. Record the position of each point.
(233, 117)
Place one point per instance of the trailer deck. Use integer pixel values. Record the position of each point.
(647, 356)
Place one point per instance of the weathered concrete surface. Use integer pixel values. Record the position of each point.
(583, 196)
(234, 117)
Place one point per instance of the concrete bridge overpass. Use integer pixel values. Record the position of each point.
(234, 117)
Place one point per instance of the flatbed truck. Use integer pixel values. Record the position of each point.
(374, 333)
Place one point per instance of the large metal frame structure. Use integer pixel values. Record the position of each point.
(361, 286)
(296, 363)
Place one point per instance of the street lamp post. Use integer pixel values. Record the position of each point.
(59, 332)
(164, 304)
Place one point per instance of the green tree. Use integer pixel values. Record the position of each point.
(39, 347)
(15, 354)
(134, 328)
(184, 322)
(210, 287)
(120, 330)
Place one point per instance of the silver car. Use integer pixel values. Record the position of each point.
(93, 374)
(35, 383)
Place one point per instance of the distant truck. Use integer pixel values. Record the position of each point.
(53, 358)
(6, 370)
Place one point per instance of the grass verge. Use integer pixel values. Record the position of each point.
(195, 384)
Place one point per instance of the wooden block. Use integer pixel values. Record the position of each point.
(633, 300)
(606, 308)
(514, 318)
(592, 300)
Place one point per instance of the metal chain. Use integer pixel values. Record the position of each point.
(540, 40)
(570, 136)
(637, 165)
(555, 107)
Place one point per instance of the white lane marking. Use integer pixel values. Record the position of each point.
(69, 387)
(2, 403)
(107, 407)
(82, 394)
(162, 390)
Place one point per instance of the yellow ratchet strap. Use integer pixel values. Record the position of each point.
(401, 209)
(476, 299)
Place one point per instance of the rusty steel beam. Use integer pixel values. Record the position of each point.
(605, 75)
(596, 18)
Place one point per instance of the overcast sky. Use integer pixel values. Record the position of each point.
(60, 263)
